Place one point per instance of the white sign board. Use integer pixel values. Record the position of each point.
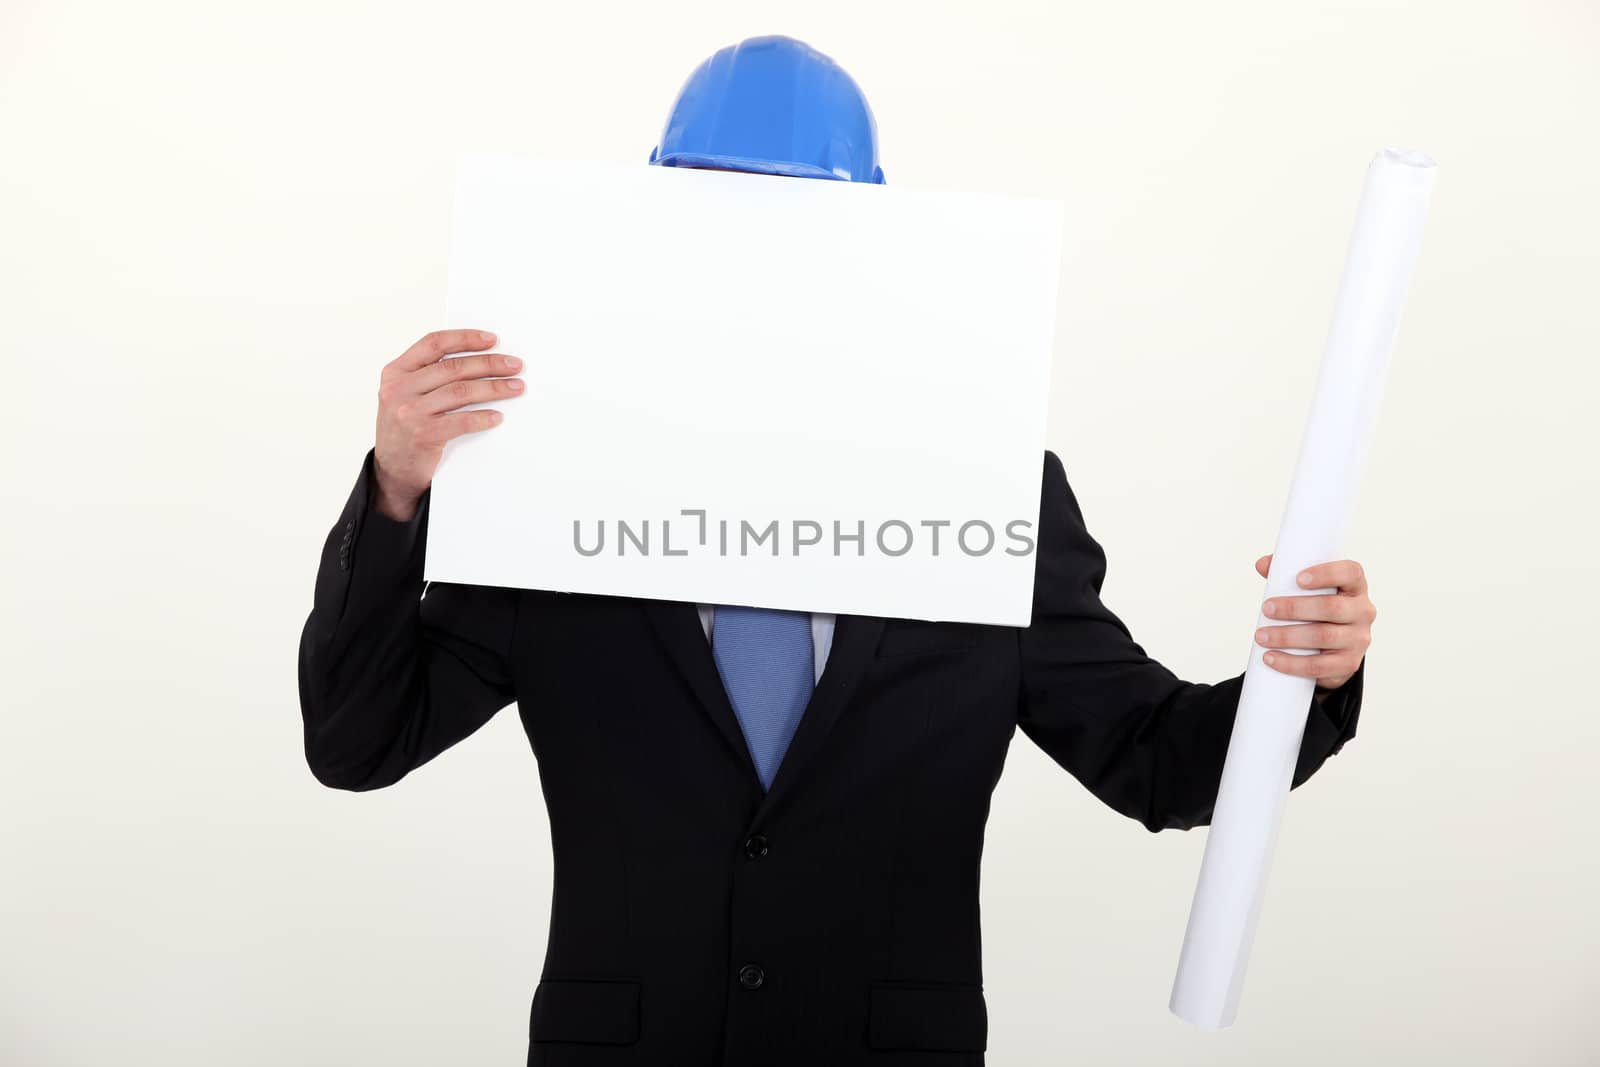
(748, 389)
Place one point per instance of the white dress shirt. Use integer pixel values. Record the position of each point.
(821, 636)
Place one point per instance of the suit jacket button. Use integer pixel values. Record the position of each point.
(751, 976)
(755, 846)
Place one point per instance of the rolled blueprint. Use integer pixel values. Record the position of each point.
(1271, 719)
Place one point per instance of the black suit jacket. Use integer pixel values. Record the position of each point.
(695, 919)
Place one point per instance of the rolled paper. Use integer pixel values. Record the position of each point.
(1270, 723)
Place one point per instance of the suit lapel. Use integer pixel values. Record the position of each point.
(855, 638)
(678, 626)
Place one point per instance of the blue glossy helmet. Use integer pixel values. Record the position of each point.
(772, 105)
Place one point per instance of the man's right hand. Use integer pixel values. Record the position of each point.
(418, 396)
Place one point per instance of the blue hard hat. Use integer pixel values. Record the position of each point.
(773, 105)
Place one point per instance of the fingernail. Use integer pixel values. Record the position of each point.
(1270, 658)
(486, 337)
(515, 384)
(513, 363)
(1271, 608)
(1261, 637)
(1305, 577)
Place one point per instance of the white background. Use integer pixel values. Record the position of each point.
(217, 222)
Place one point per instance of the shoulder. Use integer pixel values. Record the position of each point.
(1066, 549)
(1054, 487)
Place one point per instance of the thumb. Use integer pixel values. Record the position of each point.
(1264, 564)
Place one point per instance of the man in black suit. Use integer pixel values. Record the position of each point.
(742, 879)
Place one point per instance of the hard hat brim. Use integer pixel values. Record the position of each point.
(754, 166)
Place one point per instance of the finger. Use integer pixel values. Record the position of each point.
(1346, 575)
(462, 368)
(444, 428)
(1321, 665)
(440, 343)
(1313, 637)
(1324, 607)
(1264, 565)
(459, 394)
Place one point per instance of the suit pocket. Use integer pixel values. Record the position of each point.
(904, 637)
(927, 1018)
(585, 1011)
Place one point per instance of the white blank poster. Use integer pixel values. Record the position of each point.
(748, 389)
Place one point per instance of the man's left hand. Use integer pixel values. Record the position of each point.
(1338, 624)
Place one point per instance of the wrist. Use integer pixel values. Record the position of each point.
(398, 506)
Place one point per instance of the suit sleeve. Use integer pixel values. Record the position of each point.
(1145, 742)
(392, 675)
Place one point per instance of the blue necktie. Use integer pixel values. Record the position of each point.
(764, 658)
